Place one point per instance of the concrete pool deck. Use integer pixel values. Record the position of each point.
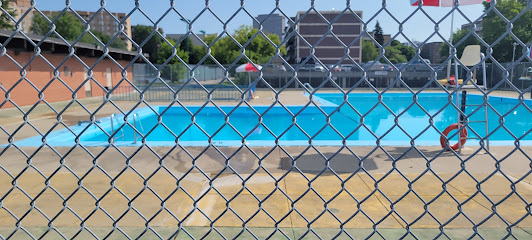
(379, 194)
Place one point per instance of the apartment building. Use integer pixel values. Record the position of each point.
(312, 28)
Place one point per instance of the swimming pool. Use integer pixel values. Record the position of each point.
(398, 121)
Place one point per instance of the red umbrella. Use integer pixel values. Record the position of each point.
(248, 67)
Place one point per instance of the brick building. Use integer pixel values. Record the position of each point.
(431, 51)
(102, 22)
(46, 71)
(312, 27)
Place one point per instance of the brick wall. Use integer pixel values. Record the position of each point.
(41, 73)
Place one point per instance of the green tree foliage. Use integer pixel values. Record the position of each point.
(139, 33)
(174, 70)
(494, 27)
(395, 52)
(394, 55)
(160, 51)
(70, 28)
(116, 43)
(369, 52)
(67, 25)
(195, 53)
(457, 37)
(407, 51)
(260, 51)
(5, 22)
(165, 52)
(378, 34)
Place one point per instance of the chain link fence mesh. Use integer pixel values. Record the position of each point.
(94, 166)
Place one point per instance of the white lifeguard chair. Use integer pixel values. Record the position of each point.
(470, 57)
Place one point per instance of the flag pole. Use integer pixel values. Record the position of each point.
(457, 93)
(450, 51)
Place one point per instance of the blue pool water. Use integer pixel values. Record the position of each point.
(398, 121)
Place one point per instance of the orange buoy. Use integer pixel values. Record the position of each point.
(451, 127)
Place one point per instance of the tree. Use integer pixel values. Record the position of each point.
(70, 28)
(67, 25)
(260, 50)
(378, 34)
(394, 55)
(195, 53)
(369, 52)
(139, 33)
(117, 43)
(5, 22)
(457, 37)
(186, 45)
(395, 52)
(174, 70)
(494, 27)
(165, 52)
(407, 51)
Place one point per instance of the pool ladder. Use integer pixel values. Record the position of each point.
(136, 119)
(113, 119)
(309, 87)
(464, 104)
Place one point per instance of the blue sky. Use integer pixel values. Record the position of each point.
(419, 27)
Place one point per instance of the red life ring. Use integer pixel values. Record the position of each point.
(463, 135)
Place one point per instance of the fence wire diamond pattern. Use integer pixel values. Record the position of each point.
(94, 146)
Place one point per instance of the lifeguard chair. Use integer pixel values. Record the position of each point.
(471, 57)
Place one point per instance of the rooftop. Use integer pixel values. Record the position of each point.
(16, 40)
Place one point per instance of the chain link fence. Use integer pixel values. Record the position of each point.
(104, 143)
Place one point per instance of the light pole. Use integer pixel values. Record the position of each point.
(203, 32)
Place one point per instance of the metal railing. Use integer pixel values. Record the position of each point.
(136, 119)
(114, 119)
(180, 92)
